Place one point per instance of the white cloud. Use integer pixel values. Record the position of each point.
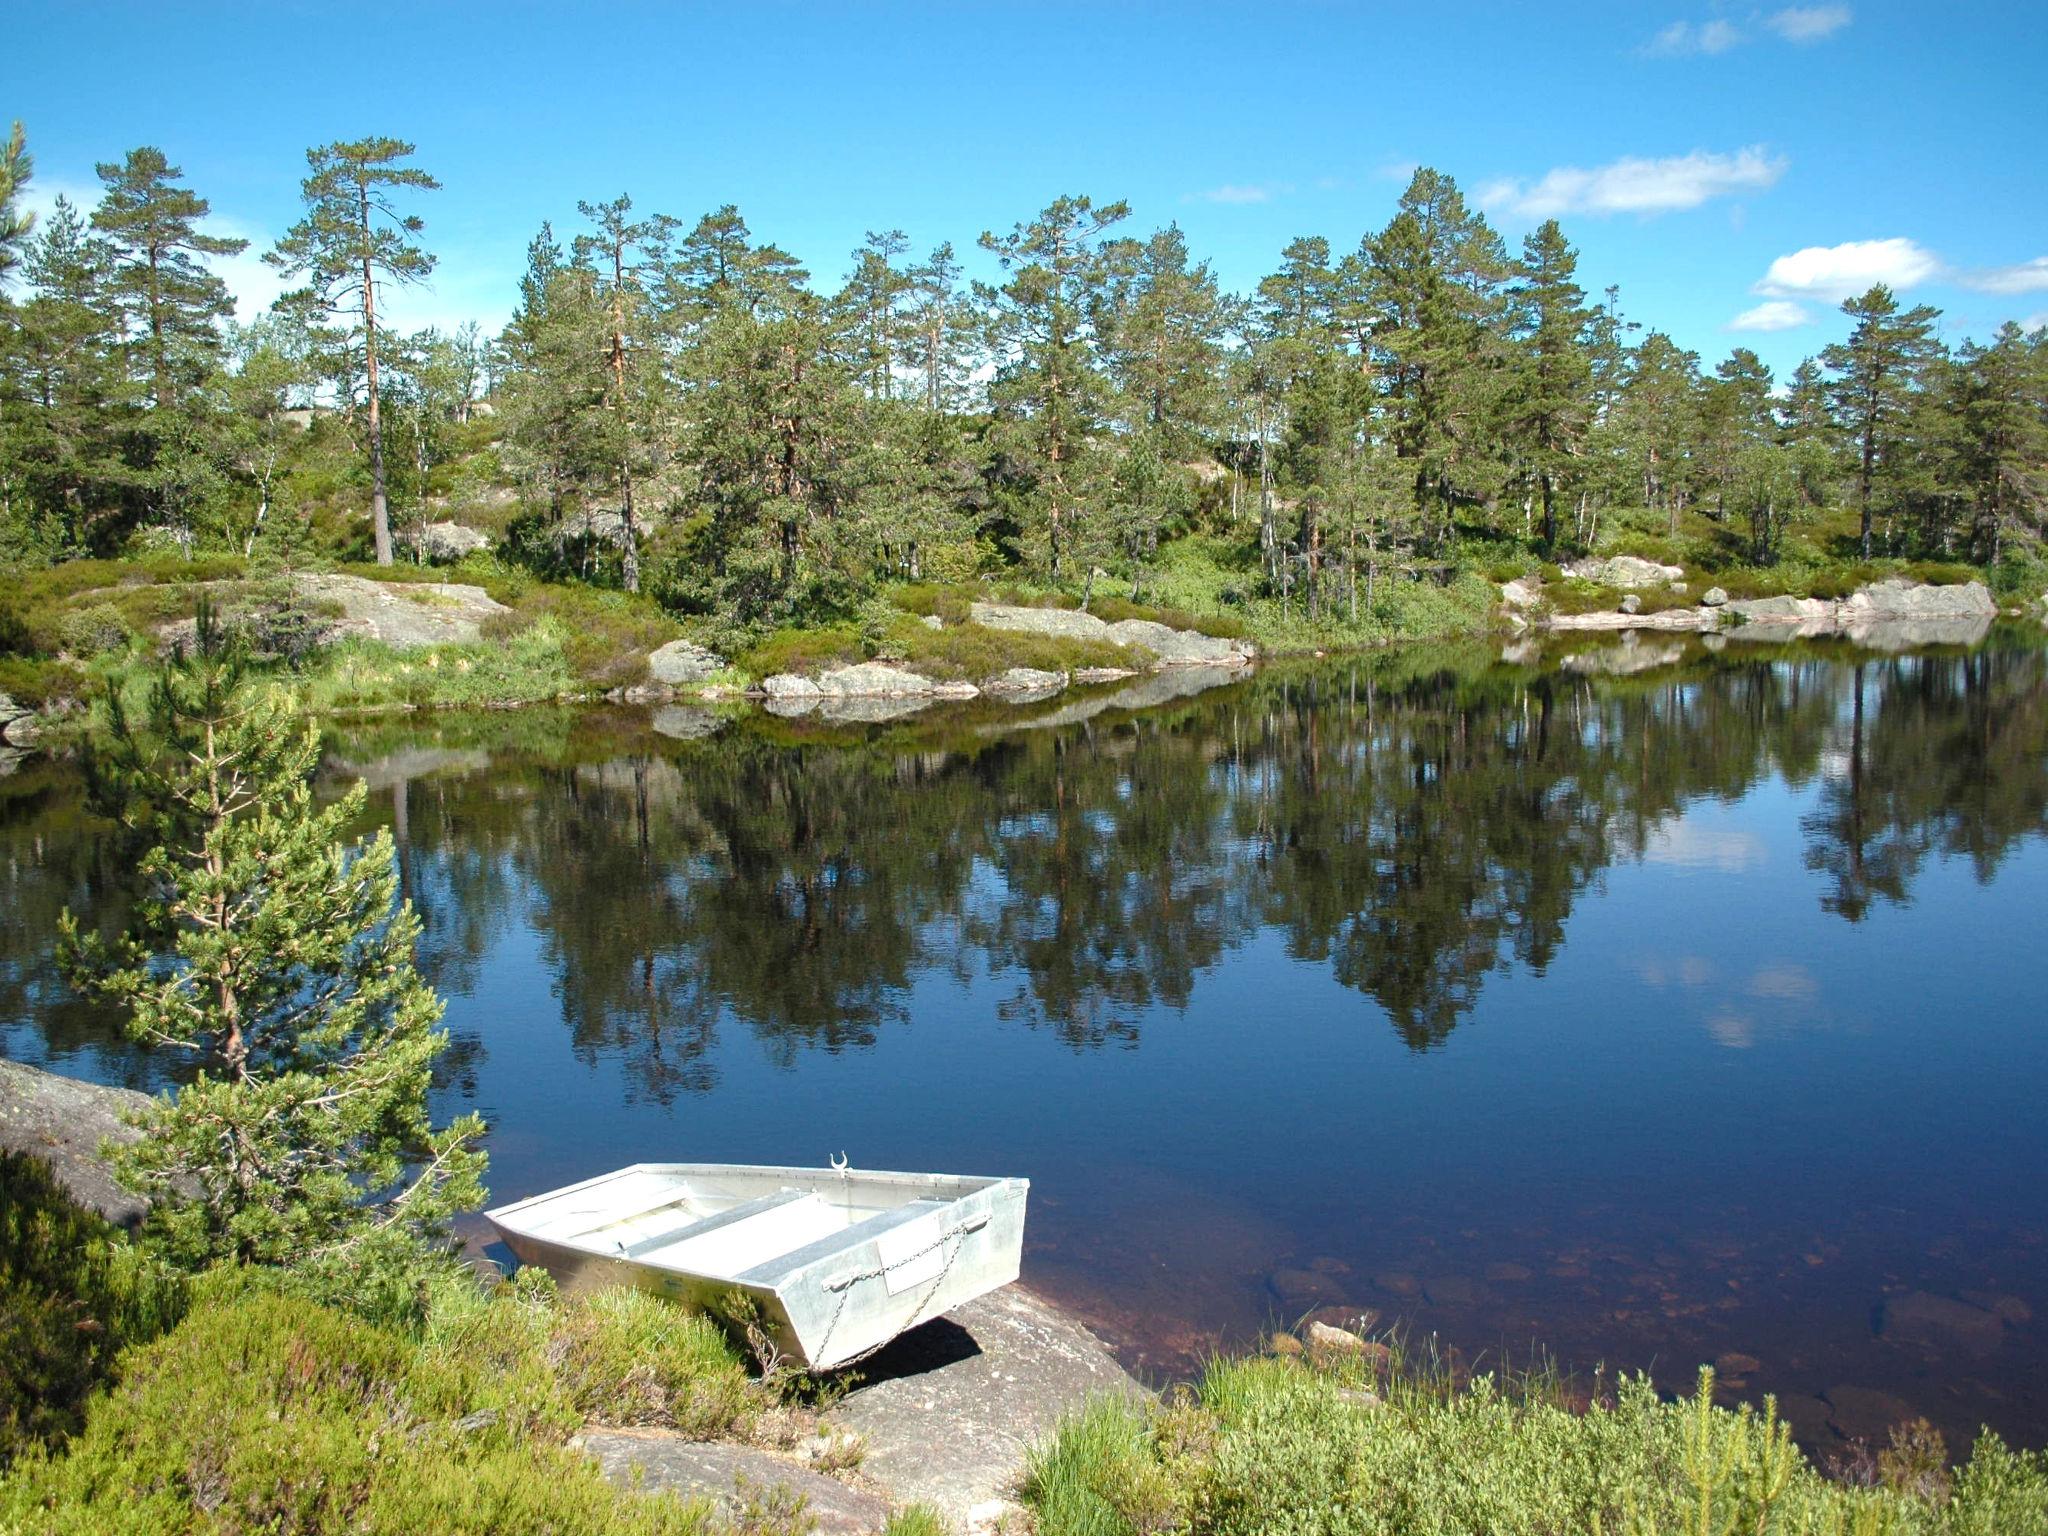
(1685, 37)
(1634, 184)
(1771, 315)
(1795, 24)
(2035, 322)
(1809, 23)
(2021, 277)
(1836, 272)
(1241, 193)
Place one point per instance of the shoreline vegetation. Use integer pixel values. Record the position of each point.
(683, 437)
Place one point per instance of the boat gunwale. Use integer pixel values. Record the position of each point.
(978, 1184)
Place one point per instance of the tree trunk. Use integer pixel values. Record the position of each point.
(380, 510)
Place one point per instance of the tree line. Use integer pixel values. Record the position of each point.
(682, 410)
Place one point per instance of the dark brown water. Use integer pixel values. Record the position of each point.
(1649, 1019)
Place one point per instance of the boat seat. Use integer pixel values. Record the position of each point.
(734, 1241)
(696, 1225)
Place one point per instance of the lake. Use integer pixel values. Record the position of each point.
(1647, 1006)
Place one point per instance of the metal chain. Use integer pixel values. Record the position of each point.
(845, 1283)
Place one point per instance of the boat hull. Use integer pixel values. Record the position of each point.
(932, 1243)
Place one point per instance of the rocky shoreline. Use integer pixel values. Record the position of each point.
(1894, 614)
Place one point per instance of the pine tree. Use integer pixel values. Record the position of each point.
(1050, 393)
(867, 311)
(172, 303)
(617, 254)
(70, 412)
(1164, 324)
(268, 948)
(16, 222)
(940, 331)
(1874, 374)
(1434, 281)
(1551, 399)
(2005, 437)
(352, 236)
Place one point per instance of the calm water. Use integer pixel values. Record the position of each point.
(1652, 1018)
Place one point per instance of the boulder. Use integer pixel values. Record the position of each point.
(683, 662)
(873, 680)
(1181, 647)
(932, 621)
(1069, 623)
(21, 728)
(1942, 1323)
(1784, 609)
(1916, 600)
(1027, 680)
(1665, 618)
(1625, 571)
(951, 1410)
(1714, 597)
(658, 1461)
(1631, 604)
(955, 690)
(1522, 592)
(405, 615)
(448, 541)
(787, 685)
(1327, 1339)
(63, 1121)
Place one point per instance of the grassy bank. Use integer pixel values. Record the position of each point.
(1333, 1447)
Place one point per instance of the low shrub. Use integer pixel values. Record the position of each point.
(1282, 1446)
(73, 1292)
(627, 1357)
(267, 1412)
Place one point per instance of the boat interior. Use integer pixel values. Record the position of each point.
(717, 1221)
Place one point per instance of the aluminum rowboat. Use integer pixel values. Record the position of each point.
(838, 1260)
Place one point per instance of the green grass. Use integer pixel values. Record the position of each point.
(1282, 1447)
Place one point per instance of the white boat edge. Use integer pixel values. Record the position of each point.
(828, 1302)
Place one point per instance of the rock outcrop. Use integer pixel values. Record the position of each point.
(448, 541)
(1171, 647)
(658, 1461)
(19, 725)
(682, 663)
(405, 615)
(1625, 571)
(1024, 684)
(950, 1410)
(63, 1121)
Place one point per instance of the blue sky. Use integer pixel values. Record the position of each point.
(1714, 161)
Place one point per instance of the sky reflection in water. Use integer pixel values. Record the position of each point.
(1651, 1019)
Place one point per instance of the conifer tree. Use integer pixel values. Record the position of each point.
(353, 236)
(1874, 373)
(1551, 398)
(172, 304)
(1050, 393)
(267, 947)
(16, 222)
(616, 254)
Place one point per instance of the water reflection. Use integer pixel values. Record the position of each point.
(1524, 1000)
